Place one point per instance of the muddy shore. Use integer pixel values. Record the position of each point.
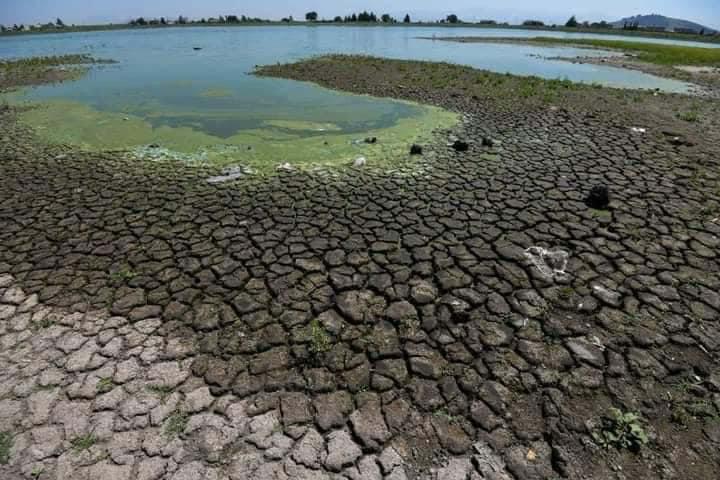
(473, 318)
(708, 79)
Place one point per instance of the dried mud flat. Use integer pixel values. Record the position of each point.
(370, 325)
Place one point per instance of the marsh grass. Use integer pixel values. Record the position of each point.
(48, 69)
(436, 75)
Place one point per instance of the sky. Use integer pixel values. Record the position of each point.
(706, 12)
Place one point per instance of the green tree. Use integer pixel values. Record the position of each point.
(386, 18)
(572, 23)
(452, 18)
(311, 16)
(338, 19)
(407, 18)
(59, 23)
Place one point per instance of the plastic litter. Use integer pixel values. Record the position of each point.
(550, 263)
(285, 166)
(360, 162)
(638, 130)
(228, 174)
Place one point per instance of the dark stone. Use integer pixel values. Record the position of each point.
(415, 150)
(487, 142)
(460, 146)
(371, 140)
(599, 197)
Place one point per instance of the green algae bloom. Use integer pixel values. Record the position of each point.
(301, 144)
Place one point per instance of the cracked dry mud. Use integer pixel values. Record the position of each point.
(366, 325)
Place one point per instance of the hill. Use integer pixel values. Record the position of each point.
(655, 21)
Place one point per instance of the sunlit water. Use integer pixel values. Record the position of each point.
(162, 79)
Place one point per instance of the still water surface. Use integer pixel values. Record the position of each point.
(163, 80)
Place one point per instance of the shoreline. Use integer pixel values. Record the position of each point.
(709, 83)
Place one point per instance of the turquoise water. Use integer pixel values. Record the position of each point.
(161, 78)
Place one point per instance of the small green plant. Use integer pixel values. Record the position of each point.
(622, 431)
(104, 385)
(319, 338)
(37, 471)
(689, 116)
(123, 275)
(161, 391)
(444, 414)
(6, 444)
(565, 293)
(83, 442)
(175, 424)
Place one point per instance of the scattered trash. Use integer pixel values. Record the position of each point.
(549, 262)
(531, 455)
(360, 162)
(228, 174)
(638, 129)
(599, 197)
(285, 166)
(460, 146)
(415, 150)
(596, 341)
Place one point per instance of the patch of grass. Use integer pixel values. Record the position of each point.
(175, 424)
(622, 430)
(37, 471)
(565, 293)
(6, 444)
(83, 442)
(161, 391)
(123, 275)
(320, 341)
(104, 385)
(444, 414)
(689, 116)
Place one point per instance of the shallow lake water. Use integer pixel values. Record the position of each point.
(162, 81)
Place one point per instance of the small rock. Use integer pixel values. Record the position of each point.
(371, 140)
(599, 197)
(416, 150)
(488, 142)
(342, 451)
(460, 146)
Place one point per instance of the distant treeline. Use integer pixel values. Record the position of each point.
(367, 18)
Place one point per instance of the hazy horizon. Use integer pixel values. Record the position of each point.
(514, 11)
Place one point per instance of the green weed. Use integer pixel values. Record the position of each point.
(175, 424)
(83, 442)
(6, 444)
(319, 339)
(622, 431)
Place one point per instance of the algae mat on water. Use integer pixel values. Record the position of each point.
(301, 144)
